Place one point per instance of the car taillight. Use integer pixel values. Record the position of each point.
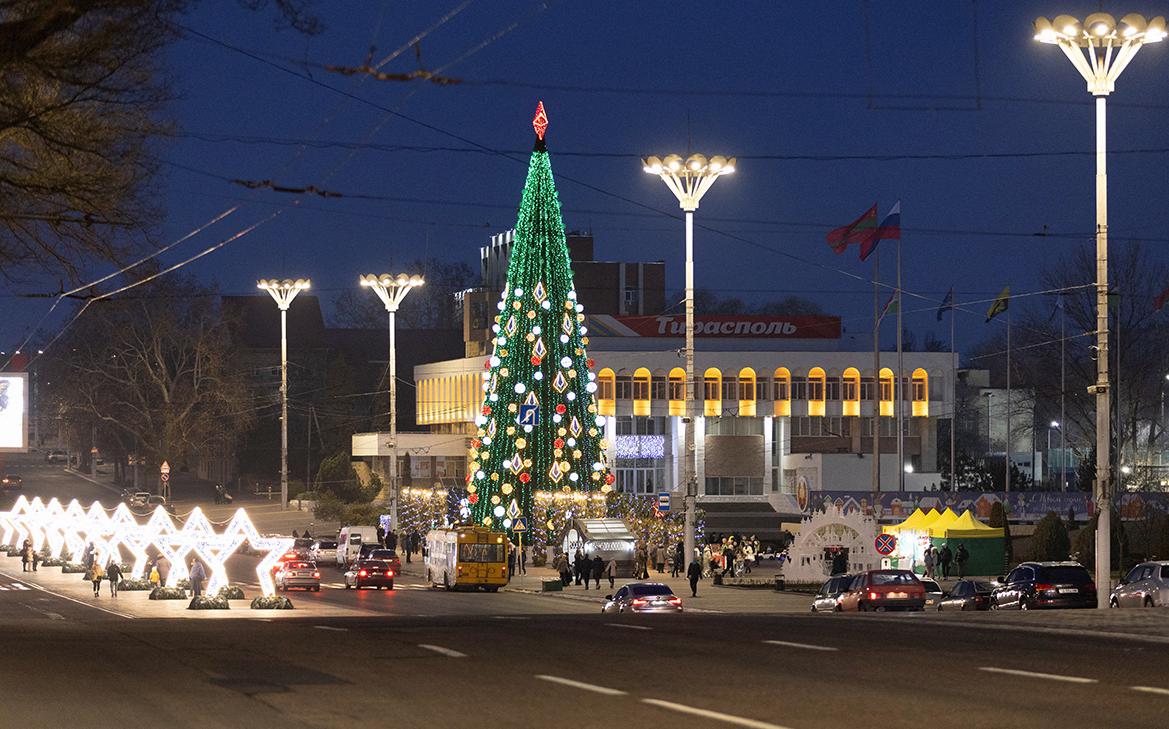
(362, 573)
(639, 601)
(1090, 586)
(675, 600)
(874, 596)
(1043, 586)
(317, 575)
(389, 573)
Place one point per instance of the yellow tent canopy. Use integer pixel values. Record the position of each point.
(940, 525)
(967, 527)
(928, 521)
(912, 523)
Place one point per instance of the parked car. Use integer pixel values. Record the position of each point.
(324, 551)
(967, 595)
(828, 598)
(370, 573)
(1045, 585)
(643, 597)
(56, 455)
(1146, 585)
(350, 540)
(12, 481)
(298, 573)
(933, 592)
(389, 556)
(883, 590)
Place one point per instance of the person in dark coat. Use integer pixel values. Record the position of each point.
(598, 570)
(694, 574)
(197, 576)
(391, 539)
(679, 559)
(963, 555)
(728, 559)
(944, 558)
(581, 567)
(381, 536)
(114, 575)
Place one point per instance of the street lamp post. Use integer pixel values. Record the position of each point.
(689, 180)
(1101, 49)
(283, 292)
(391, 290)
(1053, 426)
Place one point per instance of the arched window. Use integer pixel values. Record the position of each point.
(816, 382)
(641, 397)
(850, 392)
(747, 392)
(676, 385)
(712, 381)
(921, 393)
(886, 392)
(606, 392)
(781, 392)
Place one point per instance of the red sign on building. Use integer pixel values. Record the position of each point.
(718, 325)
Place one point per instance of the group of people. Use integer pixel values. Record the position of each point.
(732, 555)
(582, 569)
(939, 560)
(29, 557)
(646, 555)
(412, 543)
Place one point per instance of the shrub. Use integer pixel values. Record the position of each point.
(1085, 544)
(168, 593)
(1050, 541)
(271, 602)
(231, 592)
(208, 603)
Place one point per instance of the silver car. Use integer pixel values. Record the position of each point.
(1146, 585)
(643, 597)
(298, 574)
(827, 600)
(324, 551)
(933, 593)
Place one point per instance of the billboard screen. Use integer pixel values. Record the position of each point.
(13, 412)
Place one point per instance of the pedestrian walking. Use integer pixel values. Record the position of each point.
(381, 536)
(580, 567)
(510, 558)
(95, 575)
(391, 539)
(611, 572)
(944, 558)
(728, 559)
(114, 575)
(197, 576)
(524, 560)
(36, 559)
(660, 561)
(707, 557)
(598, 570)
(26, 555)
(929, 558)
(694, 574)
(561, 564)
(961, 558)
(679, 560)
(155, 578)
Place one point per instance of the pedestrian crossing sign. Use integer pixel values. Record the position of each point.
(520, 524)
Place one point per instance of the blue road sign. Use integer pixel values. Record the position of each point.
(529, 415)
(885, 544)
(663, 501)
(520, 524)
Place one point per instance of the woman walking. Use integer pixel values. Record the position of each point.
(96, 573)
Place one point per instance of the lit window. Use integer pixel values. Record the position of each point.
(677, 391)
(712, 391)
(781, 385)
(606, 391)
(921, 397)
(850, 385)
(641, 385)
(887, 392)
(816, 381)
(747, 392)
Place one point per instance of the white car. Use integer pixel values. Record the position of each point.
(324, 551)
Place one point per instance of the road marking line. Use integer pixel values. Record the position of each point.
(808, 646)
(448, 652)
(510, 617)
(21, 586)
(1151, 690)
(630, 627)
(55, 616)
(714, 715)
(581, 685)
(330, 627)
(79, 602)
(1034, 674)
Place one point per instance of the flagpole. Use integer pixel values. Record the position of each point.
(1063, 422)
(953, 402)
(1007, 448)
(899, 391)
(876, 381)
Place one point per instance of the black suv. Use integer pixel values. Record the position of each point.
(1045, 585)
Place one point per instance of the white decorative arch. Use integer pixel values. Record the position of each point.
(827, 530)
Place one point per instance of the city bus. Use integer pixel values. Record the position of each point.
(466, 558)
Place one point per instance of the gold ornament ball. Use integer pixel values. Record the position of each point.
(576, 454)
(471, 489)
(506, 488)
(503, 371)
(584, 341)
(530, 337)
(606, 489)
(531, 314)
(495, 477)
(549, 524)
(515, 305)
(561, 431)
(511, 430)
(511, 408)
(486, 521)
(494, 498)
(592, 431)
(557, 452)
(521, 443)
(527, 463)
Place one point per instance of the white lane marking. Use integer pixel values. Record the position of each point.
(713, 715)
(330, 627)
(581, 685)
(1034, 674)
(2, 587)
(448, 652)
(510, 617)
(20, 586)
(79, 602)
(55, 616)
(1151, 690)
(807, 646)
(630, 627)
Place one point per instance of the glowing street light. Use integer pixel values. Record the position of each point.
(1100, 49)
(689, 180)
(283, 292)
(392, 290)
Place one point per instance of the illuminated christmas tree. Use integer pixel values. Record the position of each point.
(538, 429)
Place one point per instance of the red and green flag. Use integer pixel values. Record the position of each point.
(858, 231)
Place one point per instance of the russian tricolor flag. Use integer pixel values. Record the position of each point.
(890, 228)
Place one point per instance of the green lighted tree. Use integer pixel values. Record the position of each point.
(538, 429)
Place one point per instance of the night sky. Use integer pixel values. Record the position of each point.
(818, 104)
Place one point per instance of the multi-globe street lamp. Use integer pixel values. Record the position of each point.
(1100, 49)
(391, 289)
(283, 291)
(689, 180)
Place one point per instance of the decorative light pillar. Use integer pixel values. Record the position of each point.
(283, 292)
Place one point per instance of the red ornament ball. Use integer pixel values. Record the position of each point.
(609, 479)
(486, 409)
(535, 361)
(590, 362)
(558, 443)
(524, 478)
(486, 364)
(561, 409)
(472, 498)
(475, 442)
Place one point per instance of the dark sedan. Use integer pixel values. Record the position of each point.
(967, 595)
(11, 481)
(643, 597)
(1045, 585)
(369, 573)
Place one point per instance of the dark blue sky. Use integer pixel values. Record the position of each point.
(626, 79)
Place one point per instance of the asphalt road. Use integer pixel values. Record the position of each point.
(48, 480)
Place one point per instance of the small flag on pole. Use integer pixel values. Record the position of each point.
(891, 307)
(1000, 304)
(857, 231)
(947, 304)
(889, 229)
(1160, 301)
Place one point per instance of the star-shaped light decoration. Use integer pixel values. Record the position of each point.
(540, 121)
